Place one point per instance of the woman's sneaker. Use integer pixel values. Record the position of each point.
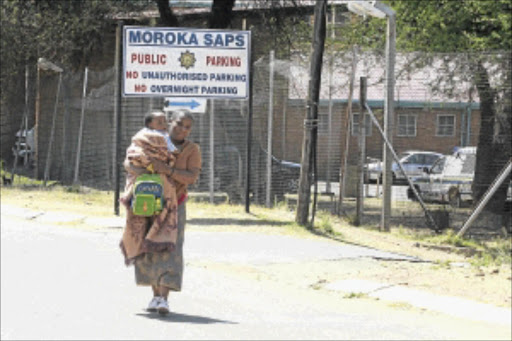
(163, 306)
(153, 305)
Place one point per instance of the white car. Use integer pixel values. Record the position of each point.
(413, 162)
(448, 180)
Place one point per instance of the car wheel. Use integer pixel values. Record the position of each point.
(454, 198)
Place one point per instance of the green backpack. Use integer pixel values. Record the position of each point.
(148, 195)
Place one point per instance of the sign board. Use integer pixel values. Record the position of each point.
(185, 62)
(191, 104)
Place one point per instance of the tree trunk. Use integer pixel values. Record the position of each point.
(494, 141)
(167, 17)
(221, 14)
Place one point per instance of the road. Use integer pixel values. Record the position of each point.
(68, 283)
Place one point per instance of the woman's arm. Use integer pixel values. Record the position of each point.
(187, 177)
(184, 176)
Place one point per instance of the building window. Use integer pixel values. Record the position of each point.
(355, 124)
(406, 125)
(445, 125)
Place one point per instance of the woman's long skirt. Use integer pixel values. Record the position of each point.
(164, 268)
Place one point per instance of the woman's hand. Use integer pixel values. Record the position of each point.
(161, 167)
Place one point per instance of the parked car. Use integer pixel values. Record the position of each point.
(449, 180)
(285, 175)
(413, 162)
(229, 173)
(24, 144)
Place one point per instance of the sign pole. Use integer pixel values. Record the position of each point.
(117, 115)
(249, 142)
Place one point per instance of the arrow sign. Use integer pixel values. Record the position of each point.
(192, 104)
(197, 105)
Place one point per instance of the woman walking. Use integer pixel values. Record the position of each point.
(162, 267)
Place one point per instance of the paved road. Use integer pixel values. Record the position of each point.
(64, 283)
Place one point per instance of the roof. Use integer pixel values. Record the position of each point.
(414, 86)
(203, 7)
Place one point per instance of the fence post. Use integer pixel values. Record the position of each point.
(270, 123)
(387, 184)
(362, 147)
(37, 114)
(212, 150)
(81, 128)
(348, 126)
(24, 123)
(52, 134)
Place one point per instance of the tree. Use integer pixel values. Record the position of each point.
(220, 14)
(64, 32)
(480, 33)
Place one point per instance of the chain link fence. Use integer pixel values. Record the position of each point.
(437, 111)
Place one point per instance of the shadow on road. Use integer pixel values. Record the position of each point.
(183, 318)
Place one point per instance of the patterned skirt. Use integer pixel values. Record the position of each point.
(164, 268)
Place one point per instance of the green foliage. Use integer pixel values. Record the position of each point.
(65, 32)
(325, 223)
(449, 26)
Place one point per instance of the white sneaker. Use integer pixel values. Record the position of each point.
(163, 306)
(153, 305)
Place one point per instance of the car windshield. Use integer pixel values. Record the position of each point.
(468, 166)
(438, 167)
(461, 164)
(403, 155)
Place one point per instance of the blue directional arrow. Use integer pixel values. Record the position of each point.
(192, 104)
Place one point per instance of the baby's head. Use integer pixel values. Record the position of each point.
(156, 120)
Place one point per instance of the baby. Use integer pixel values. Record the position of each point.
(146, 144)
(156, 122)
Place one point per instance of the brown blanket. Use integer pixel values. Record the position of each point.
(149, 234)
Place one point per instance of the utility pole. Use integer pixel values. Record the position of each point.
(379, 10)
(362, 152)
(329, 120)
(311, 121)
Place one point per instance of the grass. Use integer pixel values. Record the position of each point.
(356, 295)
(32, 194)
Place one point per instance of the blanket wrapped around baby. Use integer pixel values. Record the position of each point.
(149, 234)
